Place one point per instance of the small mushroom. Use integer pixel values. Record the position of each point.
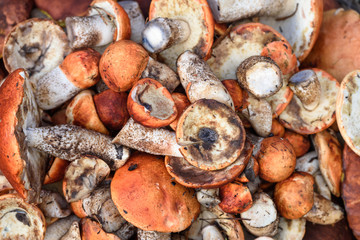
(150, 104)
(53, 204)
(235, 198)
(78, 71)
(306, 86)
(71, 142)
(152, 235)
(106, 21)
(300, 143)
(210, 134)
(262, 218)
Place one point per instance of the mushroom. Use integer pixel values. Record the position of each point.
(73, 233)
(347, 110)
(303, 121)
(320, 186)
(152, 235)
(70, 142)
(78, 71)
(323, 232)
(126, 231)
(60, 227)
(147, 196)
(150, 104)
(53, 204)
(294, 196)
(82, 176)
(276, 159)
(81, 111)
(91, 230)
(181, 103)
(137, 21)
(262, 218)
(300, 143)
(22, 165)
(210, 134)
(238, 95)
(4, 183)
(308, 163)
(179, 26)
(293, 229)
(19, 219)
(208, 197)
(156, 141)
(251, 171)
(37, 45)
(191, 176)
(210, 232)
(277, 129)
(106, 21)
(56, 172)
(235, 198)
(199, 81)
(122, 63)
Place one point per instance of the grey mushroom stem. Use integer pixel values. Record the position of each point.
(306, 87)
(89, 31)
(162, 33)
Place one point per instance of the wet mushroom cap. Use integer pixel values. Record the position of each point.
(191, 176)
(19, 219)
(211, 135)
(347, 110)
(149, 198)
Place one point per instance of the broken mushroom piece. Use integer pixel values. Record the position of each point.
(37, 45)
(347, 110)
(262, 218)
(71, 142)
(19, 219)
(22, 165)
(149, 199)
(191, 28)
(150, 104)
(210, 134)
(260, 76)
(303, 121)
(82, 176)
(106, 21)
(78, 71)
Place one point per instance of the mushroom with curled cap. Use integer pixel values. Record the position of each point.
(176, 26)
(105, 22)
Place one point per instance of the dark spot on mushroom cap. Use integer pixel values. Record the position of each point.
(208, 135)
(132, 167)
(22, 217)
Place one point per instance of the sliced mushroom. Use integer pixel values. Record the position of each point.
(71, 142)
(73, 233)
(53, 204)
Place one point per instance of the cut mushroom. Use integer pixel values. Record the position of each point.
(106, 21)
(82, 176)
(22, 165)
(36, 45)
(150, 104)
(347, 110)
(78, 71)
(71, 142)
(199, 81)
(53, 204)
(210, 134)
(193, 16)
(260, 75)
(262, 218)
(19, 219)
(137, 21)
(302, 121)
(156, 141)
(149, 199)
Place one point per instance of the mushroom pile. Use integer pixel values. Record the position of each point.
(212, 119)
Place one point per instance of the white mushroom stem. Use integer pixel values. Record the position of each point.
(162, 33)
(73, 233)
(53, 204)
(232, 10)
(306, 86)
(59, 228)
(152, 235)
(70, 142)
(208, 197)
(89, 31)
(137, 20)
(320, 186)
(211, 232)
(308, 163)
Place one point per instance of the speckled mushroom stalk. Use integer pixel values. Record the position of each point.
(161, 33)
(73, 233)
(208, 197)
(70, 142)
(152, 235)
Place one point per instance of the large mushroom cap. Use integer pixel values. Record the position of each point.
(302, 121)
(149, 199)
(348, 110)
(23, 166)
(38, 45)
(211, 135)
(199, 18)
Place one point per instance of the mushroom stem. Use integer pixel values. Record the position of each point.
(71, 142)
(208, 197)
(96, 30)
(161, 33)
(211, 232)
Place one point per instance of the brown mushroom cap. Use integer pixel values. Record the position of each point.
(56, 171)
(277, 129)
(347, 110)
(211, 135)
(19, 219)
(190, 176)
(300, 120)
(294, 196)
(91, 230)
(276, 159)
(235, 198)
(59, 9)
(122, 63)
(238, 95)
(150, 104)
(181, 103)
(300, 143)
(199, 18)
(149, 199)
